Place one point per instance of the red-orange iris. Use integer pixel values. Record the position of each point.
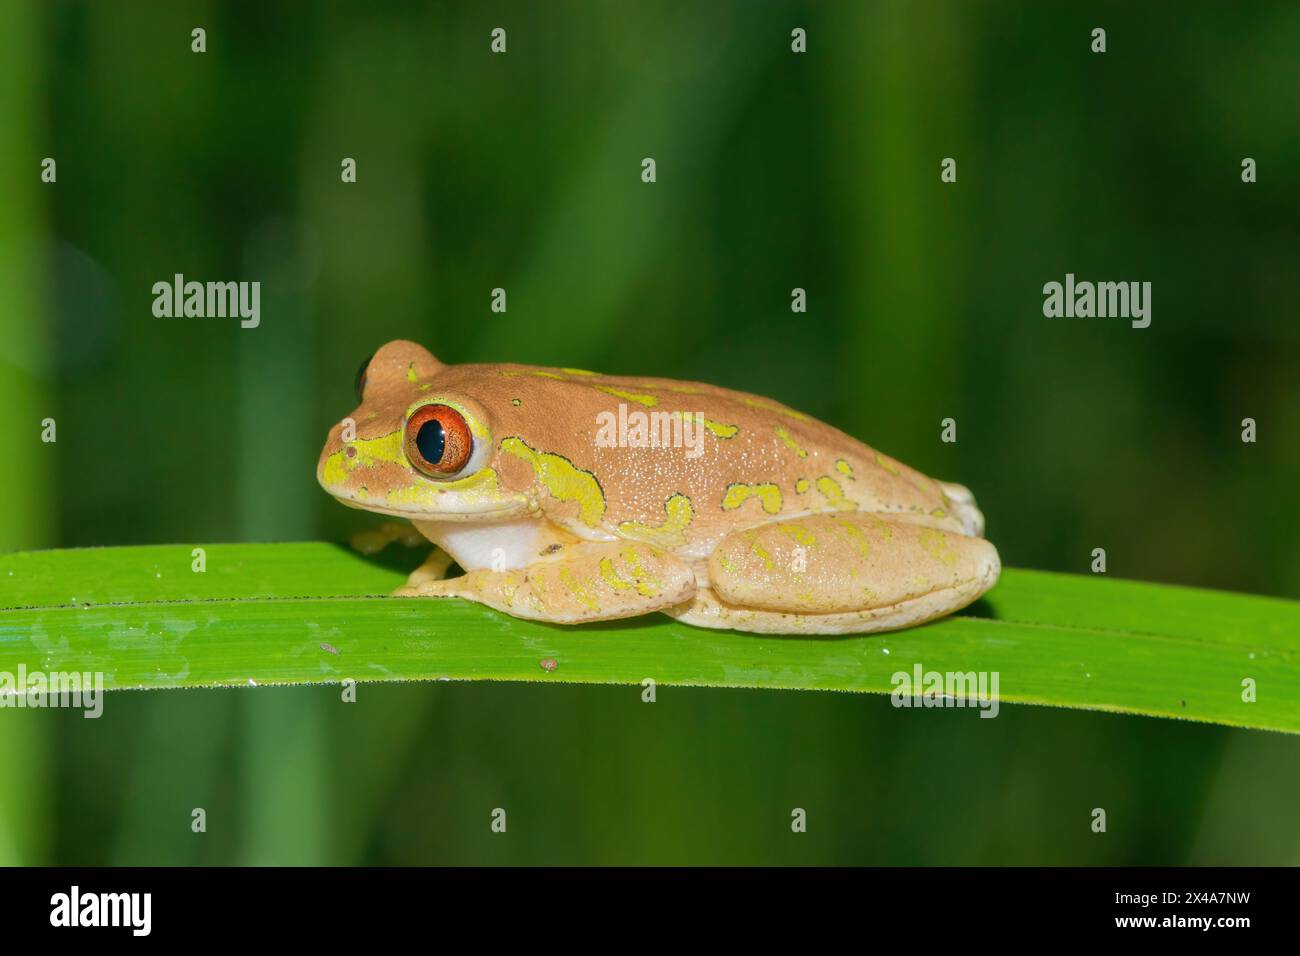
(438, 441)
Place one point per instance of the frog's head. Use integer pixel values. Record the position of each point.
(413, 450)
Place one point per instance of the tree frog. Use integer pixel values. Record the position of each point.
(570, 496)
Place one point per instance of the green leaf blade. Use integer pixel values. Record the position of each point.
(314, 613)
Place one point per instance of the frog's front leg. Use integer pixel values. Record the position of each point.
(433, 569)
(850, 572)
(590, 581)
(374, 540)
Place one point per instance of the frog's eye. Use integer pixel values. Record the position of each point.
(361, 376)
(438, 441)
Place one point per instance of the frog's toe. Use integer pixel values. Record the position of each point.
(962, 505)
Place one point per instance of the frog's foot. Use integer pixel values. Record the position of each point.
(585, 582)
(839, 574)
(374, 540)
(962, 504)
(433, 569)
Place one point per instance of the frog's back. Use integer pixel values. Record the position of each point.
(664, 479)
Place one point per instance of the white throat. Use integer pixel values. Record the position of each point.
(496, 545)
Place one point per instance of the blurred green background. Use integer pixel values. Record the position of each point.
(775, 170)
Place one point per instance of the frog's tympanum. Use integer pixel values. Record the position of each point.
(570, 496)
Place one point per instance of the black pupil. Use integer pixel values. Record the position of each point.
(361, 377)
(431, 441)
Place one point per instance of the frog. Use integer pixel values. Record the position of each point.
(733, 512)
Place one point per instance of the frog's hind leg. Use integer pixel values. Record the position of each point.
(849, 572)
(706, 609)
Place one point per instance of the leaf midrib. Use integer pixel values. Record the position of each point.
(1064, 629)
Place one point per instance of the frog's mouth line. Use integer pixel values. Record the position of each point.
(493, 513)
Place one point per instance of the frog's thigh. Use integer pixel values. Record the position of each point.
(850, 562)
(705, 609)
(584, 582)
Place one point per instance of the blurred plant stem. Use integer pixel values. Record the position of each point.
(26, 517)
(286, 800)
